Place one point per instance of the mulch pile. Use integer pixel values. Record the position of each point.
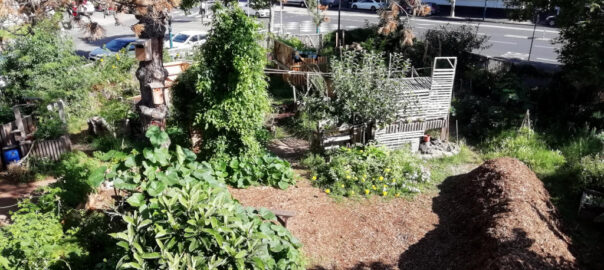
(502, 218)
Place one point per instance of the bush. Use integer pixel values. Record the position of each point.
(79, 176)
(19, 173)
(200, 226)
(527, 146)
(266, 169)
(369, 170)
(35, 239)
(592, 172)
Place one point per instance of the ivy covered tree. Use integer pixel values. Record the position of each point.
(224, 95)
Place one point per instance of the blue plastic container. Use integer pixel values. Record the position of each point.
(10, 154)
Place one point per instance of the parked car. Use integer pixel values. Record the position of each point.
(300, 3)
(332, 3)
(261, 13)
(112, 47)
(187, 39)
(369, 5)
(551, 20)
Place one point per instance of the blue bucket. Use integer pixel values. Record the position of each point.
(10, 154)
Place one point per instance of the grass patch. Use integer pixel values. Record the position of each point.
(444, 167)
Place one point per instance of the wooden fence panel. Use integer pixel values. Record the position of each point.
(51, 149)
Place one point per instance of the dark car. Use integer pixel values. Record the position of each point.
(112, 47)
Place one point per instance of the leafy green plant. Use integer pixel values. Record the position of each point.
(592, 172)
(35, 239)
(79, 176)
(362, 90)
(527, 146)
(229, 101)
(200, 226)
(242, 172)
(367, 171)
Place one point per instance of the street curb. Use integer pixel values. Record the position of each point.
(468, 19)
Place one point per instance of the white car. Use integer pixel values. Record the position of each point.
(369, 5)
(260, 13)
(187, 39)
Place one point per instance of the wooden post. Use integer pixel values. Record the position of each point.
(61, 108)
(19, 122)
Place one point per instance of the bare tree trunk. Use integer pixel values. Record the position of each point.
(152, 71)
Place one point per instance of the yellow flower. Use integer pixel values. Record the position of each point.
(361, 151)
(385, 193)
(314, 177)
(364, 176)
(385, 186)
(363, 180)
(352, 192)
(381, 178)
(347, 176)
(387, 170)
(342, 185)
(367, 191)
(327, 191)
(117, 56)
(374, 188)
(393, 181)
(114, 67)
(397, 194)
(101, 59)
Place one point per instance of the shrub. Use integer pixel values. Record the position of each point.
(200, 226)
(35, 239)
(592, 172)
(266, 169)
(19, 173)
(369, 170)
(527, 146)
(79, 176)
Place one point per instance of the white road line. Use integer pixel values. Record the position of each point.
(421, 27)
(503, 42)
(482, 34)
(425, 24)
(516, 36)
(545, 47)
(548, 60)
(544, 39)
(517, 55)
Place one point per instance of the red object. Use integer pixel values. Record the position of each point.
(426, 138)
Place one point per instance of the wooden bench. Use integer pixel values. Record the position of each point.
(283, 216)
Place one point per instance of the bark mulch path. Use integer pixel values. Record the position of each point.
(11, 192)
(348, 233)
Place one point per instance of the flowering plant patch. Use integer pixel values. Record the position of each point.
(369, 170)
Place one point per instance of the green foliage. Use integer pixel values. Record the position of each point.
(295, 43)
(35, 239)
(79, 175)
(368, 171)
(527, 146)
(228, 101)
(157, 168)
(592, 172)
(200, 226)
(363, 90)
(245, 171)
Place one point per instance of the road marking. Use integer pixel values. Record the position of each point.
(425, 24)
(548, 60)
(521, 56)
(545, 47)
(503, 42)
(482, 34)
(544, 39)
(421, 27)
(516, 36)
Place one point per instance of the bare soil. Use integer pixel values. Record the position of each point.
(11, 192)
(496, 217)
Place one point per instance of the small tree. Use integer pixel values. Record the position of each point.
(364, 90)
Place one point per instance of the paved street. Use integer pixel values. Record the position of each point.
(506, 40)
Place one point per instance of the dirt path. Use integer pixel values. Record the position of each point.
(10, 193)
(353, 233)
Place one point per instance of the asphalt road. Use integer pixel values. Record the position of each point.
(505, 39)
